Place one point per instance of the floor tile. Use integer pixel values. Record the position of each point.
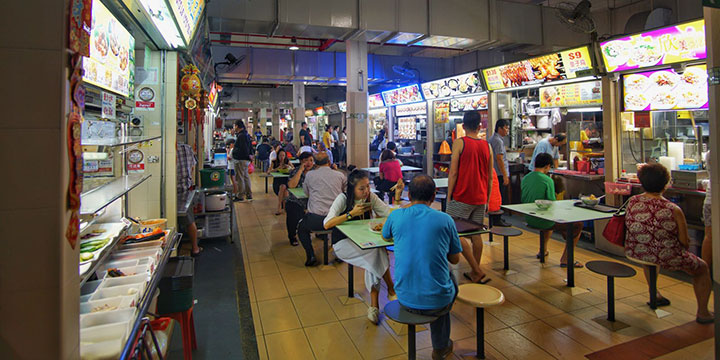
(269, 287)
(331, 341)
(263, 268)
(313, 309)
(552, 341)
(300, 283)
(262, 350)
(277, 315)
(512, 345)
(288, 345)
(345, 311)
(372, 341)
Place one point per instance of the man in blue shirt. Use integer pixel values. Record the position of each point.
(550, 146)
(425, 241)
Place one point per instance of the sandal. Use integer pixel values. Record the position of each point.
(196, 254)
(537, 256)
(578, 265)
(467, 276)
(660, 302)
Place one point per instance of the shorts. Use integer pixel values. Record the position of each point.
(185, 221)
(232, 171)
(474, 213)
(706, 214)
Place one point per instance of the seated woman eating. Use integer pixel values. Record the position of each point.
(657, 233)
(390, 173)
(359, 203)
(281, 162)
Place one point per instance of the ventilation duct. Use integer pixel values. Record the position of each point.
(649, 20)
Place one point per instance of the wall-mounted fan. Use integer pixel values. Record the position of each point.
(231, 63)
(406, 70)
(576, 16)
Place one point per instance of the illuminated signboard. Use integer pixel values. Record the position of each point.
(570, 95)
(187, 13)
(111, 64)
(403, 95)
(469, 103)
(407, 128)
(343, 106)
(666, 90)
(375, 101)
(557, 66)
(411, 109)
(319, 111)
(332, 108)
(452, 86)
(664, 46)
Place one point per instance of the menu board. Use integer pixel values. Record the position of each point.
(664, 46)
(452, 86)
(469, 103)
(375, 101)
(343, 106)
(441, 110)
(558, 66)
(407, 128)
(411, 109)
(112, 53)
(332, 108)
(403, 95)
(187, 13)
(666, 90)
(571, 95)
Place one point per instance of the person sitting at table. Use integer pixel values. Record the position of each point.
(426, 240)
(538, 185)
(359, 203)
(322, 185)
(549, 145)
(294, 207)
(281, 162)
(657, 232)
(324, 149)
(389, 174)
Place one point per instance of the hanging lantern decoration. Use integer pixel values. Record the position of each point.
(190, 84)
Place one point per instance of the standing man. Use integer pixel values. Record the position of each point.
(186, 162)
(426, 240)
(550, 146)
(502, 168)
(242, 154)
(469, 187)
(336, 144)
(305, 136)
(322, 186)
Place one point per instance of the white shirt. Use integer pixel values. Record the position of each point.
(307, 148)
(273, 156)
(339, 206)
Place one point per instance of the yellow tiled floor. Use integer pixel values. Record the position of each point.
(299, 312)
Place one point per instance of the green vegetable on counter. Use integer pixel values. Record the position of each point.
(85, 256)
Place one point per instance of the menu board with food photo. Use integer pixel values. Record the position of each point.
(441, 110)
(558, 66)
(112, 53)
(469, 103)
(663, 46)
(403, 95)
(407, 128)
(666, 90)
(411, 109)
(187, 13)
(375, 101)
(569, 95)
(452, 86)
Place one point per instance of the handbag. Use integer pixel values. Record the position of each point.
(251, 168)
(615, 229)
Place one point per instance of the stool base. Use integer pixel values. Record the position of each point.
(402, 329)
(610, 325)
(661, 313)
(350, 300)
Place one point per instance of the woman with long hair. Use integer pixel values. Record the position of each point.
(390, 173)
(281, 162)
(355, 204)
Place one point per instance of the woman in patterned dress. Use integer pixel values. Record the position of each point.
(657, 233)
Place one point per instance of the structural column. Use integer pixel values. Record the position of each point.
(298, 111)
(276, 122)
(358, 153)
(262, 120)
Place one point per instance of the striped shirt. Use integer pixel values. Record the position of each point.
(186, 161)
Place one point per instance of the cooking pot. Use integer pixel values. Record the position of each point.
(215, 201)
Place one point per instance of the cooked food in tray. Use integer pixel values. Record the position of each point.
(664, 80)
(636, 83)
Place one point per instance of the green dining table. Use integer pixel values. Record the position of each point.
(358, 231)
(562, 212)
(273, 175)
(298, 193)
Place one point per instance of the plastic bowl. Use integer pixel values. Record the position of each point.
(588, 201)
(543, 204)
(374, 225)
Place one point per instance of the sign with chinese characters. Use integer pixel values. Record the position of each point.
(343, 106)
(452, 86)
(108, 105)
(571, 95)
(375, 101)
(666, 90)
(135, 161)
(567, 64)
(403, 95)
(187, 13)
(441, 110)
(469, 103)
(332, 108)
(411, 109)
(669, 45)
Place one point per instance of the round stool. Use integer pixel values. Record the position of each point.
(480, 296)
(652, 267)
(505, 232)
(395, 311)
(611, 270)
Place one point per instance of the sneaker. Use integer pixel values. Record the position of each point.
(373, 315)
(238, 199)
(312, 262)
(444, 353)
(249, 198)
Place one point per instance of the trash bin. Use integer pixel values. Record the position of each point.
(176, 285)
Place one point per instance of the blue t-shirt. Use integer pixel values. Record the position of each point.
(543, 146)
(423, 239)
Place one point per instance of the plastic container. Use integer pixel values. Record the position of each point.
(176, 285)
(217, 225)
(90, 287)
(120, 302)
(128, 271)
(136, 254)
(121, 316)
(117, 264)
(212, 178)
(612, 188)
(140, 278)
(134, 291)
(102, 342)
(143, 245)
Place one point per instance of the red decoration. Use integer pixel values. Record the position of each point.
(74, 149)
(80, 24)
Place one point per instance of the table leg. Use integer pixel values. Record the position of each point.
(611, 298)
(411, 342)
(653, 286)
(266, 185)
(351, 283)
(506, 253)
(480, 336)
(570, 248)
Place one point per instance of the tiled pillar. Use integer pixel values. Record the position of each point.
(39, 279)
(358, 153)
(298, 111)
(276, 113)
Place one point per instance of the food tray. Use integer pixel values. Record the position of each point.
(121, 316)
(136, 254)
(125, 290)
(120, 302)
(612, 188)
(90, 287)
(143, 245)
(102, 342)
(111, 231)
(138, 278)
(135, 270)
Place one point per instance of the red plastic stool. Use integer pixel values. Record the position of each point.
(185, 318)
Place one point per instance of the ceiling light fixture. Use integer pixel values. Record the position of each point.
(293, 45)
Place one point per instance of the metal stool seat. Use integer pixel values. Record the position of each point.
(612, 270)
(480, 296)
(506, 233)
(396, 312)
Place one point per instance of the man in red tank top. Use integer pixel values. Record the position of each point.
(469, 186)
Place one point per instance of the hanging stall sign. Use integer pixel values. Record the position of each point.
(674, 44)
(343, 106)
(80, 26)
(403, 95)
(469, 103)
(332, 108)
(441, 111)
(319, 111)
(112, 53)
(212, 95)
(571, 95)
(452, 86)
(562, 65)
(666, 90)
(187, 13)
(108, 105)
(135, 161)
(375, 101)
(411, 109)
